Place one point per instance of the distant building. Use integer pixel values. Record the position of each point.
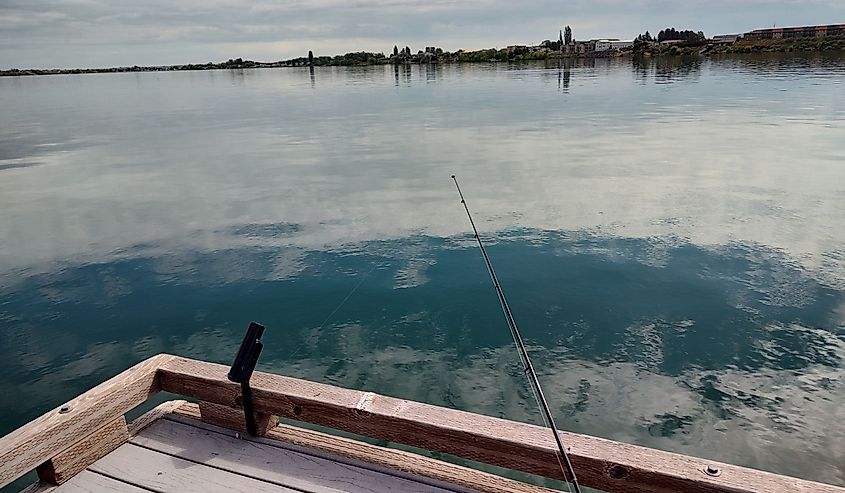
(726, 39)
(671, 41)
(612, 44)
(604, 44)
(580, 47)
(796, 32)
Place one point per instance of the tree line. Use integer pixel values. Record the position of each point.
(672, 34)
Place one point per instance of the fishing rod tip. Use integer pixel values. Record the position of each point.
(453, 176)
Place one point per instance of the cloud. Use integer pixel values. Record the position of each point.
(43, 33)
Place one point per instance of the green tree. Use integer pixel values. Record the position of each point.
(310, 57)
(672, 34)
(395, 50)
(567, 35)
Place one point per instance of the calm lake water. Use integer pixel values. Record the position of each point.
(671, 236)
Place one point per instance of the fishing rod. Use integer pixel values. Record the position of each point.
(566, 465)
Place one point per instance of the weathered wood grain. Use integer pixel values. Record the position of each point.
(264, 461)
(161, 472)
(89, 482)
(153, 415)
(43, 438)
(49, 482)
(604, 464)
(91, 448)
(388, 461)
(233, 419)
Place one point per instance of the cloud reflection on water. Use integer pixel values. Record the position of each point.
(687, 349)
(776, 420)
(707, 160)
(674, 252)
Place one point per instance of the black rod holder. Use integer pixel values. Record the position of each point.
(242, 369)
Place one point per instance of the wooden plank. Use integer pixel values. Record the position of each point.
(89, 482)
(43, 438)
(604, 464)
(161, 472)
(48, 484)
(388, 461)
(218, 448)
(91, 448)
(233, 419)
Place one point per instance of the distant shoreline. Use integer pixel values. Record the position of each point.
(358, 59)
(798, 45)
(135, 68)
(251, 65)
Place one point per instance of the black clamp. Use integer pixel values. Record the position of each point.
(242, 369)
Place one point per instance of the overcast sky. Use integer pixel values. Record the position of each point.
(97, 33)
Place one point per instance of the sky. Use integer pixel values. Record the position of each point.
(103, 33)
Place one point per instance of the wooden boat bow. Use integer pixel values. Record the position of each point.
(65, 441)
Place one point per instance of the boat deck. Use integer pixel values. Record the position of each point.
(86, 445)
(173, 451)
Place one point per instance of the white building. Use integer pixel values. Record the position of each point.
(726, 39)
(604, 44)
(612, 44)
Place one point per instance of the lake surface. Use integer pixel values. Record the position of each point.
(671, 235)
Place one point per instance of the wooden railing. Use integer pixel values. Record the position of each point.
(603, 464)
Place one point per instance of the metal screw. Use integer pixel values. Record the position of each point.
(712, 471)
(65, 409)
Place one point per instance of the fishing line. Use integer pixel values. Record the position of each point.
(562, 457)
(360, 282)
(337, 308)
